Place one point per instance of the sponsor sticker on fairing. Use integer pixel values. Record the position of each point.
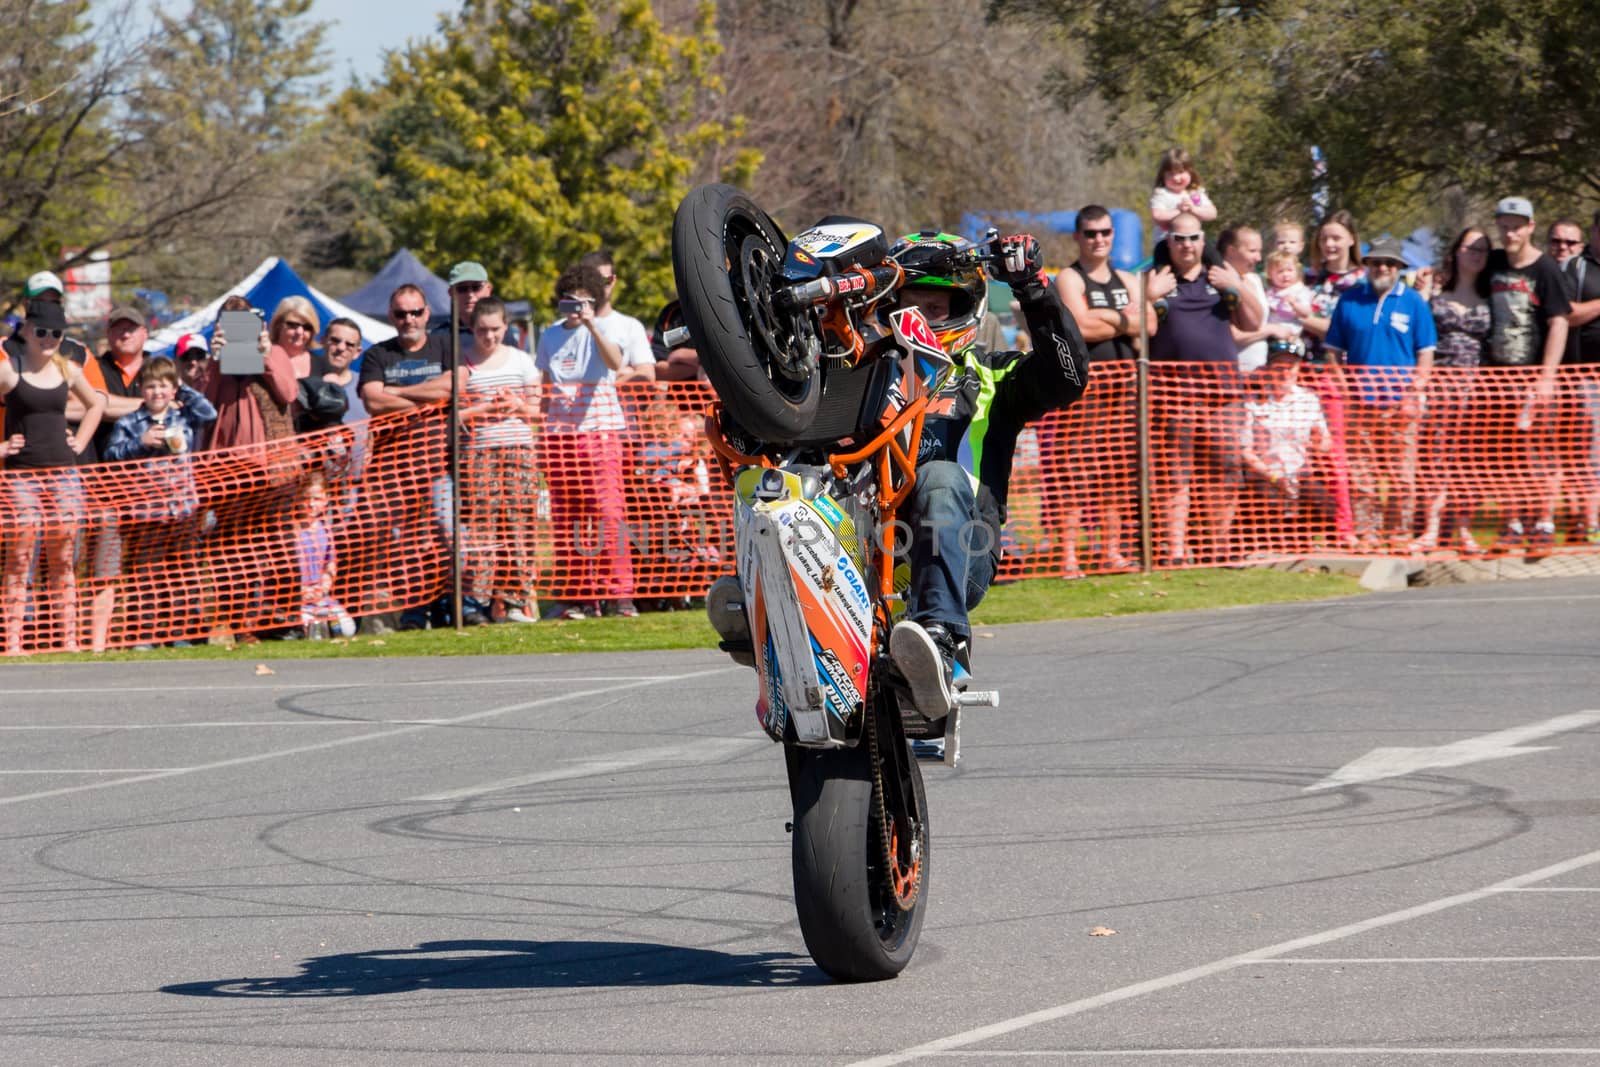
(826, 241)
(848, 696)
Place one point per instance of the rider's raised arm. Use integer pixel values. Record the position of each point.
(1056, 372)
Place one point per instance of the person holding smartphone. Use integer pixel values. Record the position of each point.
(579, 358)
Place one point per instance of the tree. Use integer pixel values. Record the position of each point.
(1409, 105)
(155, 143)
(534, 132)
(911, 121)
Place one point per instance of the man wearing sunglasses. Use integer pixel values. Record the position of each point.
(412, 367)
(1583, 347)
(1564, 240)
(1199, 402)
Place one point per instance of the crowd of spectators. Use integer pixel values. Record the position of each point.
(1335, 391)
(540, 421)
(1309, 391)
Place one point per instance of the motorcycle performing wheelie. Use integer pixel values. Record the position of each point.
(846, 371)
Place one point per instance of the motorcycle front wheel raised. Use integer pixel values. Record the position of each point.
(727, 258)
(860, 913)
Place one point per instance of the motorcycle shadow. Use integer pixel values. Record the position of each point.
(488, 964)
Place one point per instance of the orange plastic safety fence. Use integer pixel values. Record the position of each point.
(1306, 459)
(325, 527)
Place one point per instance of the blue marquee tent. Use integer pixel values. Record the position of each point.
(264, 288)
(402, 268)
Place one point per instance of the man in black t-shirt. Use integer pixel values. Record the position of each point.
(412, 367)
(1528, 298)
(1583, 347)
(1583, 276)
(410, 370)
(1528, 308)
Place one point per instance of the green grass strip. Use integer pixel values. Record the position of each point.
(1036, 600)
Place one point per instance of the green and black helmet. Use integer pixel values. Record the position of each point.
(926, 257)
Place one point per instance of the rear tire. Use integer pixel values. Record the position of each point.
(852, 926)
(727, 254)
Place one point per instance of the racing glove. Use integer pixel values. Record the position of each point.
(1019, 262)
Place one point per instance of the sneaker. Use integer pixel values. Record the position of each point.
(624, 609)
(926, 658)
(1511, 535)
(725, 610)
(518, 615)
(559, 612)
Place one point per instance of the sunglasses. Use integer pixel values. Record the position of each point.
(608, 278)
(1091, 234)
(192, 357)
(339, 342)
(408, 313)
(41, 333)
(467, 287)
(1564, 242)
(297, 326)
(1183, 238)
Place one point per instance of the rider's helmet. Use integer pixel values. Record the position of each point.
(925, 257)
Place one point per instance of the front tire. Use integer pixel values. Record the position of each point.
(845, 893)
(727, 257)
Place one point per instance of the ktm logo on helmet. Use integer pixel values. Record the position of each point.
(913, 325)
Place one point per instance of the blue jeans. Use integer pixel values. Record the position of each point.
(952, 559)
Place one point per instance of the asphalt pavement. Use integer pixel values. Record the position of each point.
(1359, 831)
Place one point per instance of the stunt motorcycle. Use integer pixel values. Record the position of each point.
(822, 386)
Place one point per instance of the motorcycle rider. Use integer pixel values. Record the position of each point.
(985, 400)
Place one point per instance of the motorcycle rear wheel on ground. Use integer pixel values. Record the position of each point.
(860, 915)
(727, 257)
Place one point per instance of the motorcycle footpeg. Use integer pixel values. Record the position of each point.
(978, 698)
(942, 747)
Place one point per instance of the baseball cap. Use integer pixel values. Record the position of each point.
(191, 341)
(43, 282)
(1515, 205)
(125, 313)
(47, 314)
(1385, 248)
(468, 271)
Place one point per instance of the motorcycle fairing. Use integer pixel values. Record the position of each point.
(811, 615)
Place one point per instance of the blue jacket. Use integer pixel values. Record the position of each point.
(168, 492)
(195, 414)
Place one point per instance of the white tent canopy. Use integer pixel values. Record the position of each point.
(264, 287)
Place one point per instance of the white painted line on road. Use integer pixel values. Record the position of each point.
(1399, 762)
(1437, 959)
(440, 682)
(1375, 1050)
(704, 750)
(1207, 970)
(1554, 889)
(103, 770)
(282, 722)
(488, 713)
(233, 723)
